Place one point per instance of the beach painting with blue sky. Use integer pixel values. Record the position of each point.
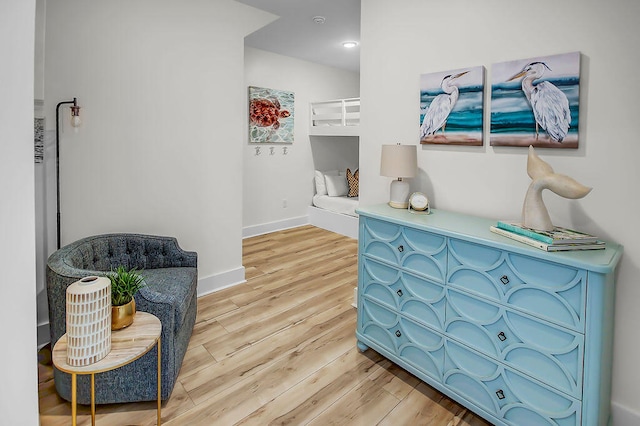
(451, 105)
(536, 101)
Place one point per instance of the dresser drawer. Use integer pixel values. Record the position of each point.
(417, 251)
(417, 298)
(404, 339)
(504, 392)
(544, 351)
(544, 289)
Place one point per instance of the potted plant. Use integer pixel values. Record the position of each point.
(124, 284)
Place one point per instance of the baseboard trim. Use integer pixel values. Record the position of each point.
(266, 228)
(624, 416)
(219, 281)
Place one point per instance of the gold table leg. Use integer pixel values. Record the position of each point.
(159, 381)
(74, 420)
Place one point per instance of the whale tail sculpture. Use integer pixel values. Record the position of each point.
(534, 212)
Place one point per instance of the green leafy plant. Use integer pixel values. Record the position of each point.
(124, 284)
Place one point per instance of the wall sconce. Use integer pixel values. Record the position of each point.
(76, 122)
(399, 161)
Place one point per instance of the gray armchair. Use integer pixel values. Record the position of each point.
(171, 276)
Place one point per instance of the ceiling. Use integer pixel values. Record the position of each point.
(296, 34)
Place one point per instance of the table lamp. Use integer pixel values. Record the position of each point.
(399, 161)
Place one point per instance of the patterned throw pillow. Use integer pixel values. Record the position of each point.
(352, 180)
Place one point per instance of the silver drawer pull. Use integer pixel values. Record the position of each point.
(398, 334)
(400, 249)
(502, 336)
(399, 292)
(504, 279)
(500, 394)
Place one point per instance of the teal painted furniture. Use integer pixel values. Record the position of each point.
(518, 335)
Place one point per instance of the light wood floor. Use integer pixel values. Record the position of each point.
(280, 349)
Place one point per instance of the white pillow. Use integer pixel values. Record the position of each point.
(321, 187)
(336, 186)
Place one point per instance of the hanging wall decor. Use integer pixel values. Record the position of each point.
(271, 115)
(535, 101)
(38, 139)
(451, 107)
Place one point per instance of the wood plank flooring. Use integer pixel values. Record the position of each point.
(280, 349)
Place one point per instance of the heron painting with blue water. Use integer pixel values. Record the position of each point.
(451, 105)
(535, 102)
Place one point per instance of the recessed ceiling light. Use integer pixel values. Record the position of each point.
(350, 44)
(319, 19)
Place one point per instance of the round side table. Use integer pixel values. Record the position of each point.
(127, 345)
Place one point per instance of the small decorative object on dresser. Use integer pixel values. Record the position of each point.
(534, 212)
(518, 335)
(533, 242)
(419, 203)
(558, 239)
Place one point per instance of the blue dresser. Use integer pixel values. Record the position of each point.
(518, 335)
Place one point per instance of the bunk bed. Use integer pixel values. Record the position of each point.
(334, 211)
(339, 117)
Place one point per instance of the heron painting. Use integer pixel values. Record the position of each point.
(451, 107)
(535, 102)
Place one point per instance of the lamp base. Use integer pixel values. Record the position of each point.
(399, 194)
(398, 205)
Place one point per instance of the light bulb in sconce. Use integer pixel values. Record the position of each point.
(76, 121)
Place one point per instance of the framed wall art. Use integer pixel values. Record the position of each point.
(38, 139)
(271, 114)
(451, 105)
(536, 101)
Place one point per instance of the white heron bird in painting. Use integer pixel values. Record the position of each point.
(438, 111)
(550, 106)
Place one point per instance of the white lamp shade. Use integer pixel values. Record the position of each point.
(399, 161)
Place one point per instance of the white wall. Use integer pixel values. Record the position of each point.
(41, 169)
(335, 153)
(162, 95)
(18, 371)
(38, 77)
(270, 179)
(401, 40)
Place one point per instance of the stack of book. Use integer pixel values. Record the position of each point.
(559, 239)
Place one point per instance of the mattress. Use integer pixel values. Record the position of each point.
(342, 205)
